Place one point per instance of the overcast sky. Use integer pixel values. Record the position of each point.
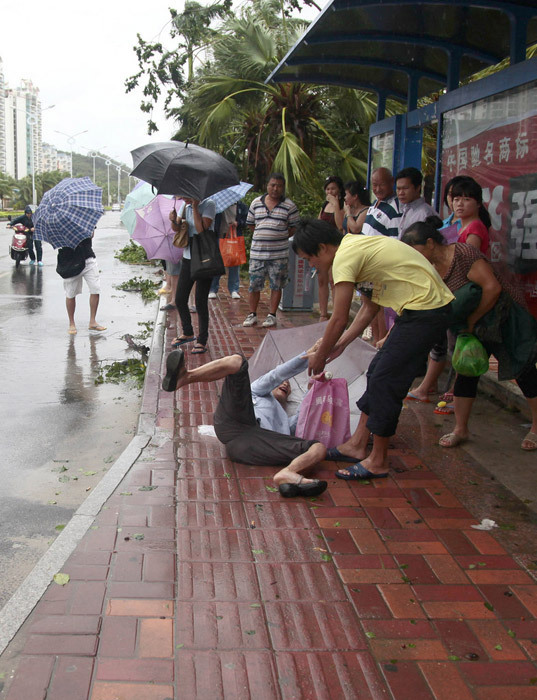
(79, 55)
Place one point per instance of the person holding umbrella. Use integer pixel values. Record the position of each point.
(67, 218)
(199, 217)
(82, 258)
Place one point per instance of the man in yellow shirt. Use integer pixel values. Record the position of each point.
(398, 279)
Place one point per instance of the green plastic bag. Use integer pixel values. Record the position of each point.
(469, 357)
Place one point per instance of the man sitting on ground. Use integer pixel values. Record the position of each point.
(250, 419)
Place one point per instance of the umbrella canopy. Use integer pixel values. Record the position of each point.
(280, 346)
(68, 212)
(225, 198)
(141, 195)
(153, 230)
(185, 169)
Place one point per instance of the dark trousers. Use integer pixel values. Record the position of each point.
(30, 242)
(402, 358)
(466, 387)
(236, 426)
(184, 287)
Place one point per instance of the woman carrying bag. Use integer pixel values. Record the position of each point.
(199, 217)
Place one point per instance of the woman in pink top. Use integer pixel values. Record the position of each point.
(468, 207)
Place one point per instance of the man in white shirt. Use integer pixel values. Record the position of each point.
(412, 205)
(250, 418)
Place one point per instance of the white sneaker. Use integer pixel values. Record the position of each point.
(235, 295)
(269, 321)
(212, 295)
(250, 320)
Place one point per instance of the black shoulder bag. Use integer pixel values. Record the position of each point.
(206, 259)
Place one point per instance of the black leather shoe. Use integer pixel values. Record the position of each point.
(313, 488)
(175, 363)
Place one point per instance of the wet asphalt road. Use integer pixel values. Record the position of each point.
(59, 431)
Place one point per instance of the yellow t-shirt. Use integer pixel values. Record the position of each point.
(402, 278)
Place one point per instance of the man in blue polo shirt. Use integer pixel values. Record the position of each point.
(272, 218)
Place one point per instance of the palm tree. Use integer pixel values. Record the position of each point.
(288, 127)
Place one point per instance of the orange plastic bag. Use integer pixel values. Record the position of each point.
(233, 248)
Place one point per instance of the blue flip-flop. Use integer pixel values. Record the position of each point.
(334, 455)
(182, 341)
(357, 472)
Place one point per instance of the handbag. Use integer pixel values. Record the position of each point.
(324, 414)
(206, 259)
(180, 226)
(469, 357)
(233, 248)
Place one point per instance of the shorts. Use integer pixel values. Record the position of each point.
(173, 268)
(90, 273)
(277, 271)
(236, 426)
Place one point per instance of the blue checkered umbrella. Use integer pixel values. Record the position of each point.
(225, 198)
(68, 212)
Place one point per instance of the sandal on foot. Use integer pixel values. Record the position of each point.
(446, 396)
(357, 471)
(72, 331)
(334, 455)
(176, 342)
(312, 488)
(199, 349)
(448, 410)
(531, 442)
(412, 397)
(97, 328)
(451, 440)
(175, 367)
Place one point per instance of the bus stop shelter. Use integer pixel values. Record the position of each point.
(425, 55)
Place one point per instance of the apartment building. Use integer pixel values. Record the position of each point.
(2, 121)
(54, 159)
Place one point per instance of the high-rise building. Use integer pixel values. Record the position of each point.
(54, 159)
(2, 122)
(23, 130)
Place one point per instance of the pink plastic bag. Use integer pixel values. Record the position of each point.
(324, 414)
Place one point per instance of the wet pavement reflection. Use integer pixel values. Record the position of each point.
(53, 416)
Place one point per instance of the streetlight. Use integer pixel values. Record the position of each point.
(118, 168)
(71, 140)
(108, 163)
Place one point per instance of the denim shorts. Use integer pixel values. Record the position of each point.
(276, 270)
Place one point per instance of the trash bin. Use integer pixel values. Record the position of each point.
(301, 292)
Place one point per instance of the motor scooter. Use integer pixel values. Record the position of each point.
(18, 249)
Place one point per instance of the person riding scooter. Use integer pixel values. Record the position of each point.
(26, 220)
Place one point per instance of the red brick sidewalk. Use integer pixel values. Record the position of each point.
(198, 581)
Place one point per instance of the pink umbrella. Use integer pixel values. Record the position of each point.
(153, 230)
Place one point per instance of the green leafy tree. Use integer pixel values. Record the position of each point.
(7, 183)
(162, 69)
(304, 131)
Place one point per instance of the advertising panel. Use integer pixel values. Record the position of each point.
(494, 140)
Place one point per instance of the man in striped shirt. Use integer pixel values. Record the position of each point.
(383, 216)
(272, 218)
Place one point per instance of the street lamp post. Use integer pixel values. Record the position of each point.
(118, 168)
(71, 140)
(31, 120)
(108, 164)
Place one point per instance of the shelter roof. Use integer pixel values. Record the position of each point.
(408, 50)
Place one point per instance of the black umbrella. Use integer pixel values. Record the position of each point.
(185, 169)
